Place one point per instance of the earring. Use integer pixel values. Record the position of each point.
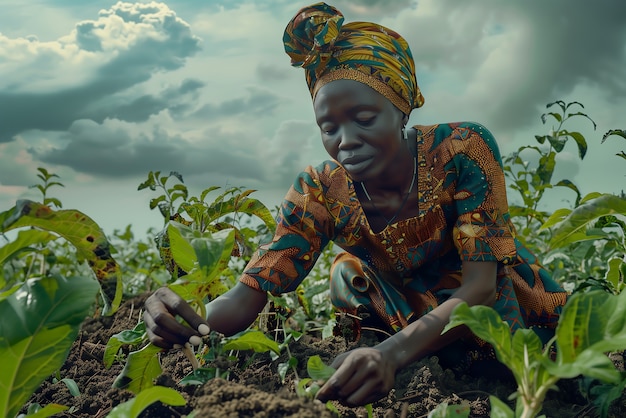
(405, 134)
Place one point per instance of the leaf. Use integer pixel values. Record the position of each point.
(134, 336)
(48, 411)
(580, 141)
(71, 386)
(83, 233)
(499, 409)
(487, 324)
(618, 132)
(251, 340)
(593, 320)
(182, 251)
(141, 368)
(40, 321)
(573, 227)
(145, 398)
(445, 410)
(318, 370)
(24, 240)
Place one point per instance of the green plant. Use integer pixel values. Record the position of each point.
(46, 183)
(134, 407)
(35, 337)
(76, 228)
(197, 245)
(592, 324)
(530, 181)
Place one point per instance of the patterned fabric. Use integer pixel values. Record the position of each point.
(413, 265)
(317, 40)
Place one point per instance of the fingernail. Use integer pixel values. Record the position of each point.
(195, 340)
(203, 329)
(177, 346)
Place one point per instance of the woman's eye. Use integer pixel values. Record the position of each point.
(328, 130)
(366, 121)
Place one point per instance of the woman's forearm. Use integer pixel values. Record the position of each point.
(423, 336)
(235, 310)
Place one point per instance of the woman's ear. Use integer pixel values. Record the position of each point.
(405, 120)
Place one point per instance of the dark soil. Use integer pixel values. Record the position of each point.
(254, 388)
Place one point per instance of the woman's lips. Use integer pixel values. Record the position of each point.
(355, 163)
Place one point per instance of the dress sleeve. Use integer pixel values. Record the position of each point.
(483, 230)
(303, 230)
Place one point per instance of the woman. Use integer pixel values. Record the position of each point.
(421, 214)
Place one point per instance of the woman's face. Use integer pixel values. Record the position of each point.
(360, 127)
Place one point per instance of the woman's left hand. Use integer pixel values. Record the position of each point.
(363, 375)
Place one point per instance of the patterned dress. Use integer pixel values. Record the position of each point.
(413, 265)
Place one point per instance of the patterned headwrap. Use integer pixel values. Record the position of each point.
(317, 40)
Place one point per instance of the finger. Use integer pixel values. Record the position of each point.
(162, 337)
(333, 386)
(367, 393)
(178, 306)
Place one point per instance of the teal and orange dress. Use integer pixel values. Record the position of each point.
(413, 265)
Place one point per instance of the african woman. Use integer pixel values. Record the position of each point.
(420, 213)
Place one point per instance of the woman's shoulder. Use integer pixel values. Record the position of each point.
(449, 134)
(327, 174)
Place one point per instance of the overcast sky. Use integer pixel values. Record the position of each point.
(101, 93)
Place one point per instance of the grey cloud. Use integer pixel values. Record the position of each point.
(112, 152)
(258, 103)
(552, 48)
(272, 72)
(162, 43)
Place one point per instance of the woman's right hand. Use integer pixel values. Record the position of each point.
(163, 330)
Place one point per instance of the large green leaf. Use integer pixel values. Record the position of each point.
(487, 324)
(251, 340)
(145, 398)
(83, 233)
(140, 370)
(39, 323)
(25, 239)
(573, 227)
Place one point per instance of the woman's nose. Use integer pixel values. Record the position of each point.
(349, 138)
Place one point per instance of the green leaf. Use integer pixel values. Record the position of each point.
(133, 337)
(182, 251)
(71, 386)
(590, 363)
(573, 228)
(444, 410)
(145, 398)
(499, 409)
(618, 132)
(48, 411)
(580, 141)
(24, 240)
(613, 272)
(557, 216)
(251, 340)
(83, 233)
(140, 370)
(318, 370)
(40, 321)
(487, 324)
(199, 376)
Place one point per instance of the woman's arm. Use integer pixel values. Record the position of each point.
(367, 374)
(228, 314)
(423, 336)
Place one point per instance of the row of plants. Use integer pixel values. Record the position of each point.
(60, 267)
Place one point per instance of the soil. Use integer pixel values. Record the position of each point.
(254, 388)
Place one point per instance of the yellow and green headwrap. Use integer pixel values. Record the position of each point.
(317, 40)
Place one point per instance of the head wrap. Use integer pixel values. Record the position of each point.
(317, 40)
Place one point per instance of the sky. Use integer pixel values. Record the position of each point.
(102, 92)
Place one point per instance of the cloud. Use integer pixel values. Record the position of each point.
(259, 102)
(504, 61)
(113, 150)
(128, 43)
